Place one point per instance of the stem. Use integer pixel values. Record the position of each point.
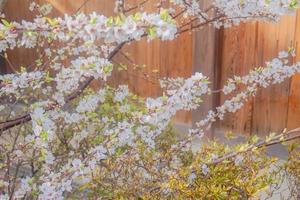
(279, 139)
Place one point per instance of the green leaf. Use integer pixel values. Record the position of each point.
(164, 15)
(44, 136)
(151, 32)
(293, 4)
(6, 23)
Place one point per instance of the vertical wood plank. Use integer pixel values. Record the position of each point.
(251, 45)
(204, 61)
(271, 104)
(239, 59)
(293, 120)
(241, 49)
(170, 58)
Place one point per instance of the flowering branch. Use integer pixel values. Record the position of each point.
(26, 118)
(284, 137)
(111, 142)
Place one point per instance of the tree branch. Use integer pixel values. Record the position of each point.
(26, 118)
(279, 139)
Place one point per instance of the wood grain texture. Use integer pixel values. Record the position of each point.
(238, 57)
(204, 56)
(251, 45)
(293, 119)
(168, 58)
(217, 54)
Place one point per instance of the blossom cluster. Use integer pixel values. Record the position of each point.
(16, 84)
(87, 28)
(186, 97)
(275, 72)
(235, 11)
(79, 137)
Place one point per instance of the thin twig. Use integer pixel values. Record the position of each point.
(82, 5)
(279, 139)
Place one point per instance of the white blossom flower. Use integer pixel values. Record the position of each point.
(121, 93)
(205, 170)
(24, 188)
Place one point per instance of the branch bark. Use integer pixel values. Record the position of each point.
(279, 139)
(26, 118)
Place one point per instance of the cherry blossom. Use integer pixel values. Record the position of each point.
(70, 133)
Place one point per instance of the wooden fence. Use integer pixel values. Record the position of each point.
(248, 46)
(218, 54)
(164, 57)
